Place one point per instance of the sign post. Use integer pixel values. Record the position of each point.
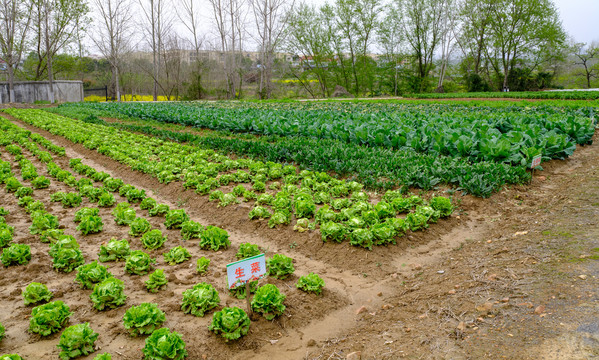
(244, 271)
(536, 161)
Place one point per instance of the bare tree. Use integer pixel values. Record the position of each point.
(15, 19)
(55, 23)
(271, 18)
(451, 27)
(585, 56)
(158, 25)
(113, 35)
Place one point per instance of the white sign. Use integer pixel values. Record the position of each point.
(536, 161)
(242, 271)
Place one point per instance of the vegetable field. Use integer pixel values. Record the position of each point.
(117, 220)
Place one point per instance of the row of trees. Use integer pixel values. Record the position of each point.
(366, 46)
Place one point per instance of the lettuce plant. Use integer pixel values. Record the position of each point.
(12, 184)
(67, 259)
(36, 293)
(135, 195)
(139, 263)
(303, 225)
(175, 218)
(40, 182)
(259, 212)
(268, 301)
(280, 266)
(362, 237)
(202, 265)
(113, 184)
(383, 234)
(159, 210)
(123, 214)
(42, 221)
(106, 199)
(34, 206)
(279, 217)
(27, 191)
(443, 205)
(90, 225)
(310, 283)
(416, 221)
(333, 231)
(156, 281)
(90, 274)
(63, 242)
(304, 209)
(177, 255)
(108, 294)
(16, 254)
(214, 238)
(139, 226)
(6, 233)
(70, 200)
(191, 230)
(114, 250)
(125, 188)
(25, 201)
(143, 319)
(431, 214)
(10, 356)
(231, 322)
(2, 331)
(49, 318)
(104, 356)
(200, 299)
(247, 250)
(77, 340)
(153, 239)
(164, 345)
(85, 212)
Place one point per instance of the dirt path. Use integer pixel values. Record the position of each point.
(512, 276)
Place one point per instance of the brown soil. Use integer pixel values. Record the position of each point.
(500, 279)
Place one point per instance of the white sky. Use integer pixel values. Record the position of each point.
(580, 18)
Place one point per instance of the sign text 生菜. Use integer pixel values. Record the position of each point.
(242, 271)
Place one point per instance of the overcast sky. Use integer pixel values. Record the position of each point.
(580, 18)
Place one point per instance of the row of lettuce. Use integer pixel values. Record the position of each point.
(279, 193)
(375, 167)
(108, 291)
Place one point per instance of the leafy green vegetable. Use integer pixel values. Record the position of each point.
(135, 195)
(303, 225)
(143, 319)
(214, 238)
(6, 233)
(147, 203)
(113, 184)
(27, 191)
(36, 293)
(247, 250)
(202, 265)
(191, 230)
(71, 199)
(164, 344)
(77, 340)
(25, 201)
(139, 263)
(40, 182)
(280, 266)
(42, 221)
(175, 218)
(2, 331)
(362, 237)
(279, 217)
(49, 318)
(156, 281)
(259, 212)
(139, 226)
(90, 274)
(67, 259)
(34, 206)
(333, 231)
(443, 205)
(108, 294)
(177, 255)
(200, 299)
(305, 209)
(114, 250)
(310, 283)
(268, 300)
(231, 322)
(159, 210)
(63, 242)
(12, 184)
(90, 225)
(85, 212)
(104, 356)
(416, 221)
(106, 199)
(153, 239)
(123, 214)
(16, 254)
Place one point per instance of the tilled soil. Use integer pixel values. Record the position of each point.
(500, 279)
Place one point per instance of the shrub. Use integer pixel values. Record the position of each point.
(77, 340)
(36, 293)
(280, 266)
(200, 299)
(164, 344)
(143, 319)
(231, 322)
(108, 294)
(268, 301)
(16, 254)
(49, 318)
(156, 281)
(90, 274)
(310, 283)
(214, 238)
